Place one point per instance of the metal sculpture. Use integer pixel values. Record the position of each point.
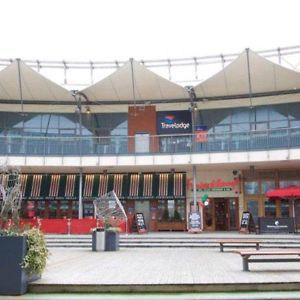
(10, 191)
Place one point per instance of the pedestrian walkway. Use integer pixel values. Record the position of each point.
(160, 270)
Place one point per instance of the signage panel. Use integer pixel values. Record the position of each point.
(174, 122)
(276, 225)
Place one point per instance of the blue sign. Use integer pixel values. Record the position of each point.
(174, 122)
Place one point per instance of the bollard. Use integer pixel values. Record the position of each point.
(98, 239)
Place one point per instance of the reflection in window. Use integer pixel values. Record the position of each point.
(251, 187)
(252, 206)
(267, 185)
(287, 183)
(208, 214)
(270, 208)
(284, 208)
(171, 208)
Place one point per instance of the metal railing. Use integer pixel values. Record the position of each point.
(284, 138)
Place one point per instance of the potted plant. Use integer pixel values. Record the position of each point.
(37, 253)
(21, 252)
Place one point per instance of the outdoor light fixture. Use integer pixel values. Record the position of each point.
(87, 110)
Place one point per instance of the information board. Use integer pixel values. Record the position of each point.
(247, 223)
(140, 223)
(194, 221)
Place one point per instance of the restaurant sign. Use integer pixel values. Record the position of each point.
(216, 185)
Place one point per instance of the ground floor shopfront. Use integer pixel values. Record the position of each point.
(165, 199)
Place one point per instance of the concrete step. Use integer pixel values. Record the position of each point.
(166, 240)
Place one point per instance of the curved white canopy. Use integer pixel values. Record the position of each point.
(20, 82)
(133, 81)
(265, 76)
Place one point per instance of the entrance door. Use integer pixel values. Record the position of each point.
(143, 207)
(221, 214)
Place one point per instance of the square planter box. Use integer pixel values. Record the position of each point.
(13, 278)
(111, 241)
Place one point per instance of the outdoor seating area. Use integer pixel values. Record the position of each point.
(275, 256)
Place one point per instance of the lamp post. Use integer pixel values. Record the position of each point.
(77, 98)
(193, 109)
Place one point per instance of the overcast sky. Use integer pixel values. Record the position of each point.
(143, 29)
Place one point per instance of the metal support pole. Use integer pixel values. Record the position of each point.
(80, 206)
(194, 186)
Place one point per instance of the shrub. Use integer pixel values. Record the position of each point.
(35, 260)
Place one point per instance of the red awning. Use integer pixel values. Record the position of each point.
(284, 193)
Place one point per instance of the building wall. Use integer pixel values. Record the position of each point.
(142, 119)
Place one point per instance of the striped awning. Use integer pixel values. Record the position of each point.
(54, 186)
(118, 185)
(178, 186)
(134, 186)
(163, 186)
(103, 185)
(70, 187)
(126, 186)
(88, 186)
(148, 186)
(36, 187)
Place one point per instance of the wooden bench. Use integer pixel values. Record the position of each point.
(238, 242)
(277, 256)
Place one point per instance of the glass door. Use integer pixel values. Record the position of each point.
(221, 214)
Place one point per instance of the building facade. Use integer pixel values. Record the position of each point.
(161, 158)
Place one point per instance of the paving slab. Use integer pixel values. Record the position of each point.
(161, 269)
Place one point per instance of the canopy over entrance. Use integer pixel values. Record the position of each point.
(284, 193)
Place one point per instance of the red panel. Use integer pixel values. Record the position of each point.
(54, 226)
(82, 226)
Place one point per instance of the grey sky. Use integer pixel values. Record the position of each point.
(119, 29)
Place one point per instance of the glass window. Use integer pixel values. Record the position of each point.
(240, 127)
(240, 115)
(52, 209)
(287, 183)
(171, 208)
(270, 208)
(279, 124)
(261, 114)
(252, 207)
(251, 187)
(284, 204)
(180, 207)
(163, 214)
(267, 185)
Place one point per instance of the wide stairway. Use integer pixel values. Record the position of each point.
(174, 239)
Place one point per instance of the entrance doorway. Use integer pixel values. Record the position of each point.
(221, 214)
(143, 207)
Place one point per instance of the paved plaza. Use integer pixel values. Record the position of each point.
(165, 269)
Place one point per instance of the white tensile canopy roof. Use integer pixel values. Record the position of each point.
(265, 77)
(132, 83)
(18, 82)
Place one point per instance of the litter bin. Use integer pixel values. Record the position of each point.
(98, 239)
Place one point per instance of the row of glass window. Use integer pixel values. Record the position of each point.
(216, 120)
(256, 187)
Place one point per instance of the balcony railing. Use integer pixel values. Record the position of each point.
(158, 144)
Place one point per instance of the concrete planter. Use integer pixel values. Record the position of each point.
(13, 278)
(111, 241)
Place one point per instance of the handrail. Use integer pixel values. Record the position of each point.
(283, 138)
